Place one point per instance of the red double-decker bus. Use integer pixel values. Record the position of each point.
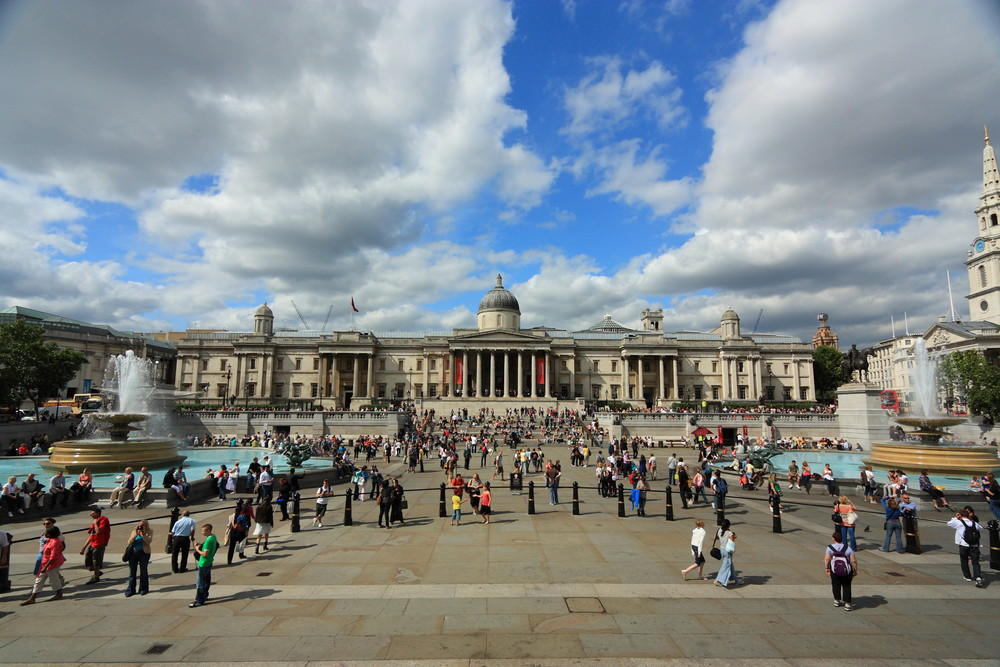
(890, 400)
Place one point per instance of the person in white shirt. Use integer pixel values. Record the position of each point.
(697, 542)
(966, 525)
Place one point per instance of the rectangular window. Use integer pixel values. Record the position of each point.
(597, 366)
(251, 389)
(614, 367)
(770, 393)
(786, 393)
(399, 390)
(279, 389)
(253, 363)
(223, 364)
(433, 389)
(279, 363)
(419, 389)
(577, 391)
(803, 393)
(715, 366)
(576, 365)
(296, 390)
(381, 364)
(596, 392)
(420, 364)
(381, 390)
(204, 364)
(614, 388)
(697, 392)
(716, 392)
(742, 393)
(433, 367)
(316, 364)
(400, 364)
(697, 366)
(220, 391)
(314, 390)
(739, 366)
(786, 369)
(298, 364)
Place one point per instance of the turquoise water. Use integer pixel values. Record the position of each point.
(198, 460)
(847, 465)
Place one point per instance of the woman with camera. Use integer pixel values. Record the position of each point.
(141, 543)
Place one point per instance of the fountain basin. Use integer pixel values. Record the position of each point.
(73, 456)
(912, 457)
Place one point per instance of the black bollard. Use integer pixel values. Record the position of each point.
(348, 519)
(175, 514)
(296, 508)
(576, 499)
(720, 509)
(531, 497)
(670, 504)
(442, 511)
(912, 531)
(776, 514)
(621, 500)
(5, 565)
(994, 527)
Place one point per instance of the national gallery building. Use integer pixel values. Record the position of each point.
(497, 364)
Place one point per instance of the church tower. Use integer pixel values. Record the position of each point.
(984, 256)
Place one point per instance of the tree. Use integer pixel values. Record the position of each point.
(969, 375)
(828, 371)
(32, 368)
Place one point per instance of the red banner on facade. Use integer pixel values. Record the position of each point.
(458, 371)
(540, 370)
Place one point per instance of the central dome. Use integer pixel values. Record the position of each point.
(499, 298)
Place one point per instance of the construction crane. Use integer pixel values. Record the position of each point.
(304, 323)
(327, 320)
(757, 323)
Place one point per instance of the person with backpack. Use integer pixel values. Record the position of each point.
(968, 535)
(841, 565)
(721, 488)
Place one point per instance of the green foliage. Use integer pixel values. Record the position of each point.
(32, 368)
(828, 371)
(969, 375)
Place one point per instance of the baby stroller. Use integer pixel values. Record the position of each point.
(746, 483)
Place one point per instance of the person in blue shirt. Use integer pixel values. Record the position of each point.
(892, 524)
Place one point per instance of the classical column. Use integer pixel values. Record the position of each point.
(479, 373)
(493, 374)
(520, 373)
(676, 373)
(795, 390)
(625, 388)
(572, 378)
(534, 378)
(639, 379)
(663, 384)
(356, 390)
(371, 376)
(427, 374)
(548, 359)
(465, 373)
(506, 375)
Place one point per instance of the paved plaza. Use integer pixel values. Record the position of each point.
(551, 588)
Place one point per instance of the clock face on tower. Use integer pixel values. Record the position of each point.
(983, 306)
(980, 245)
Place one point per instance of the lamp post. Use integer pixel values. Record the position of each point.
(228, 375)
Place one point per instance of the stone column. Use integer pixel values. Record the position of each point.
(548, 360)
(639, 379)
(663, 380)
(520, 373)
(479, 373)
(676, 375)
(534, 379)
(357, 377)
(465, 373)
(572, 378)
(625, 388)
(493, 373)
(369, 390)
(796, 379)
(427, 374)
(506, 375)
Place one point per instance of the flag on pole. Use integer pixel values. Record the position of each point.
(353, 307)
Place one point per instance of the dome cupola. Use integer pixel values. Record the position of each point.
(499, 309)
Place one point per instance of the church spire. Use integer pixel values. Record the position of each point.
(991, 176)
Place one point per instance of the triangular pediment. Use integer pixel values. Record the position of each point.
(499, 337)
(940, 336)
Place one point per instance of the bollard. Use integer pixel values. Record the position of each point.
(531, 497)
(442, 511)
(5, 564)
(348, 519)
(994, 528)
(670, 504)
(912, 531)
(720, 508)
(621, 500)
(776, 514)
(576, 499)
(175, 514)
(296, 508)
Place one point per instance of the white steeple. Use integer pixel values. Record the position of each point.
(983, 260)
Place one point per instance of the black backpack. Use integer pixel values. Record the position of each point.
(971, 535)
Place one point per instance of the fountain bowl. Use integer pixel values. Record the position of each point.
(72, 456)
(929, 453)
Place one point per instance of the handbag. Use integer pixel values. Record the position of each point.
(127, 556)
(404, 504)
(836, 518)
(715, 553)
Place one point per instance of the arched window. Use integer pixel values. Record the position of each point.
(993, 219)
(982, 276)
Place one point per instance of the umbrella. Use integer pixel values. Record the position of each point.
(701, 431)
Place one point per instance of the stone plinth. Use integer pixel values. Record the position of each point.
(861, 416)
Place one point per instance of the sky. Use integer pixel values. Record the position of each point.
(166, 166)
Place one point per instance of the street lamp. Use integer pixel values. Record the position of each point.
(228, 375)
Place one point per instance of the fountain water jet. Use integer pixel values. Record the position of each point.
(131, 379)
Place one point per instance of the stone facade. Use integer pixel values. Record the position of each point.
(496, 363)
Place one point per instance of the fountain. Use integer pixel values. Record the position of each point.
(932, 449)
(130, 378)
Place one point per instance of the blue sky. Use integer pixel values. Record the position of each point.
(173, 165)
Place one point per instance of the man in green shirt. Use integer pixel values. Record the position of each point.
(206, 554)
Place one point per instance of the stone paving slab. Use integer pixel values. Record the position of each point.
(553, 589)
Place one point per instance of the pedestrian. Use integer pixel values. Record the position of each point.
(697, 543)
(206, 555)
(967, 536)
(683, 485)
(848, 518)
(552, 476)
(237, 529)
(720, 488)
(456, 509)
(841, 564)
(396, 502)
(323, 495)
(181, 534)
(384, 501)
(774, 491)
(265, 519)
(498, 465)
(99, 534)
(486, 503)
(892, 525)
(992, 492)
(641, 487)
(141, 541)
(284, 496)
(727, 544)
(48, 570)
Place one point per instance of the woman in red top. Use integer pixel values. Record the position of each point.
(52, 560)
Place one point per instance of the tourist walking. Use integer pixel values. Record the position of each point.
(384, 501)
(48, 570)
(727, 544)
(486, 503)
(396, 502)
(141, 541)
(98, 536)
(265, 519)
(968, 534)
(848, 518)
(323, 495)
(181, 534)
(841, 564)
(697, 544)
